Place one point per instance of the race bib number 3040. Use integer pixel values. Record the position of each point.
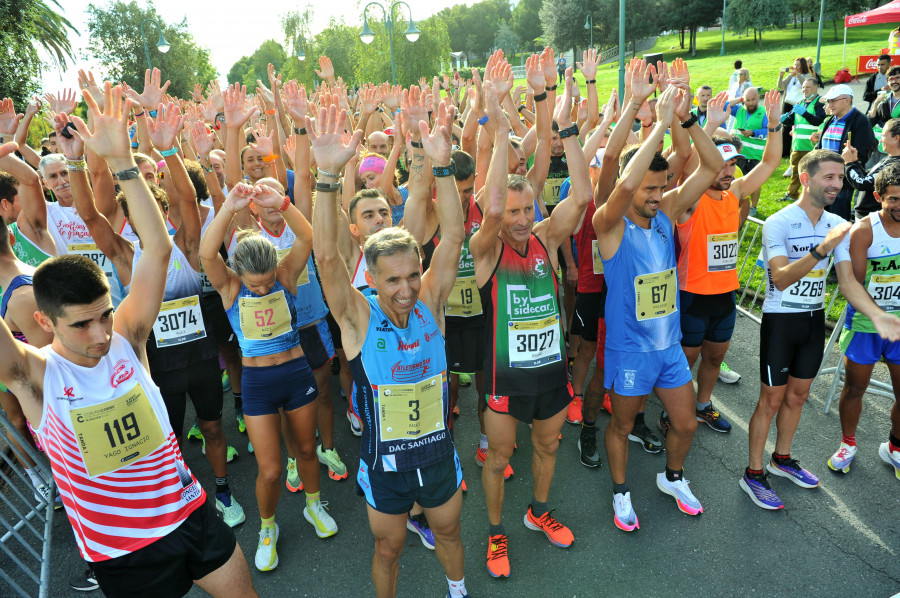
(117, 433)
(885, 290)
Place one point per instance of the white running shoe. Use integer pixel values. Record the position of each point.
(680, 490)
(842, 458)
(625, 518)
(320, 519)
(889, 457)
(266, 555)
(355, 424)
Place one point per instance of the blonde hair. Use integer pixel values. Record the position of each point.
(254, 254)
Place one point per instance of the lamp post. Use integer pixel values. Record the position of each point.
(818, 66)
(367, 35)
(589, 24)
(162, 45)
(621, 50)
(722, 51)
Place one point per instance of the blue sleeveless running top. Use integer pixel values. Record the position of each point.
(264, 325)
(642, 306)
(21, 280)
(402, 392)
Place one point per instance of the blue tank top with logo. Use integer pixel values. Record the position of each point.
(266, 324)
(402, 392)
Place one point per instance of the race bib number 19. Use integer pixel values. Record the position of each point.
(117, 433)
(464, 299)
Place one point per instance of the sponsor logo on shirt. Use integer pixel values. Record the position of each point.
(121, 372)
(69, 395)
(408, 347)
(385, 326)
(413, 372)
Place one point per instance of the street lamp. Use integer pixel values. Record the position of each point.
(162, 45)
(300, 55)
(589, 24)
(621, 50)
(368, 36)
(818, 66)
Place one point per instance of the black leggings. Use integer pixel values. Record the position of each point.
(202, 381)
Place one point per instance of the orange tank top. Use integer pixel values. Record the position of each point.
(707, 263)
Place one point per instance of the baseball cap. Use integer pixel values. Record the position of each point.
(838, 91)
(728, 151)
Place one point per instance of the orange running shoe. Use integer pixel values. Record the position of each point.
(607, 404)
(481, 457)
(497, 560)
(573, 415)
(557, 533)
(464, 487)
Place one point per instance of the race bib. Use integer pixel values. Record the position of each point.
(117, 433)
(808, 293)
(179, 321)
(464, 299)
(304, 276)
(598, 261)
(411, 410)
(206, 286)
(263, 318)
(721, 252)
(885, 290)
(533, 343)
(93, 253)
(655, 294)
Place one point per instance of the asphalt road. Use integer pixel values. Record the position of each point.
(841, 539)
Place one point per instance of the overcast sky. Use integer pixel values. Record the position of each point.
(228, 28)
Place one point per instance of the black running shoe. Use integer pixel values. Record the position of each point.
(646, 438)
(85, 582)
(587, 446)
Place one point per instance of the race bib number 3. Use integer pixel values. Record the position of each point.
(721, 252)
(117, 433)
(464, 300)
(407, 411)
(266, 317)
(808, 293)
(655, 294)
(93, 253)
(534, 343)
(598, 261)
(179, 321)
(885, 290)
(304, 276)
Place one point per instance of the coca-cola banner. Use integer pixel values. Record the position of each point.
(869, 64)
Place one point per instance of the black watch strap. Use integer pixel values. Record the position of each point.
(127, 174)
(442, 171)
(690, 122)
(816, 254)
(573, 130)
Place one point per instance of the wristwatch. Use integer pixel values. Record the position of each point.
(127, 174)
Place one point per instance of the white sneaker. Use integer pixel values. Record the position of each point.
(788, 172)
(891, 458)
(842, 458)
(320, 519)
(355, 424)
(625, 518)
(266, 555)
(680, 490)
(232, 513)
(727, 375)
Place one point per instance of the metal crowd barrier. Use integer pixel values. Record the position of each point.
(26, 520)
(752, 292)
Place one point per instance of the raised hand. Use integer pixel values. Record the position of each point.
(72, 146)
(682, 105)
(214, 96)
(367, 99)
(165, 127)
(563, 112)
(849, 154)
(203, 139)
(153, 91)
(773, 106)
(327, 72)
(416, 107)
(266, 94)
(679, 70)
(197, 93)
(273, 80)
(662, 69)
(65, 102)
(265, 144)
(266, 197)
(295, 102)
(290, 146)
(110, 137)
(548, 66)
(332, 151)
(501, 77)
(392, 97)
(588, 65)
(665, 105)
(534, 73)
(239, 197)
(88, 84)
(716, 112)
(130, 93)
(438, 144)
(643, 80)
(611, 109)
(235, 113)
(34, 106)
(9, 120)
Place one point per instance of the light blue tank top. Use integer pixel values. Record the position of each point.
(264, 325)
(642, 303)
(402, 393)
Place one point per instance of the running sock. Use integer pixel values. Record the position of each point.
(312, 499)
(482, 442)
(497, 530)
(894, 443)
(538, 508)
(674, 476)
(781, 459)
(36, 480)
(754, 473)
(457, 588)
(238, 401)
(620, 488)
(702, 406)
(268, 523)
(222, 486)
(849, 440)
